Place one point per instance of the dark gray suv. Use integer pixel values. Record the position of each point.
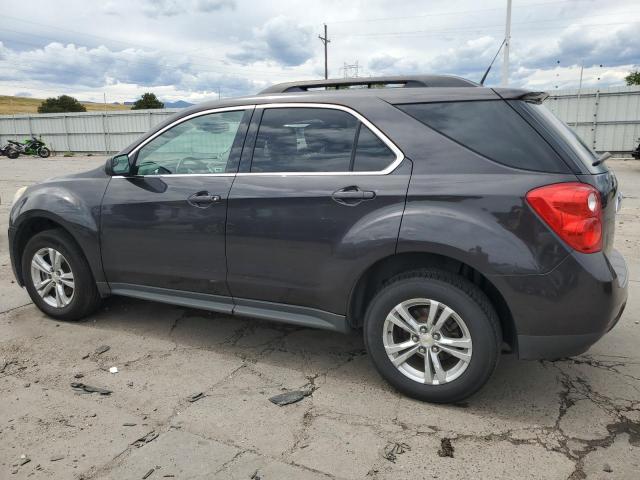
(448, 221)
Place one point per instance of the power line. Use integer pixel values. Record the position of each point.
(460, 12)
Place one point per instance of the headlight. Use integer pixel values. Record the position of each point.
(18, 194)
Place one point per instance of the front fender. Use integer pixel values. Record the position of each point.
(73, 204)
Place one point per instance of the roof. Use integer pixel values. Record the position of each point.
(402, 81)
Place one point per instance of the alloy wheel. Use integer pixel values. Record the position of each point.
(427, 341)
(52, 277)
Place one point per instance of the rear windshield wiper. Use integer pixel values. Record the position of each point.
(601, 159)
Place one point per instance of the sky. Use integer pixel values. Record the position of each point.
(194, 50)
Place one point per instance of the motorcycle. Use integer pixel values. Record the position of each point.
(32, 146)
(636, 153)
(9, 151)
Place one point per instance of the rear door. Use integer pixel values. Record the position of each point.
(319, 199)
(165, 226)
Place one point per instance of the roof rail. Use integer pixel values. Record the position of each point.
(408, 81)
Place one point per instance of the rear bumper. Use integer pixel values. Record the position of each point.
(567, 310)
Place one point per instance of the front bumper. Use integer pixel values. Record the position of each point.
(564, 312)
(12, 255)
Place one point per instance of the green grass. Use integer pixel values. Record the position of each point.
(10, 105)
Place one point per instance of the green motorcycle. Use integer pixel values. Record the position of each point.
(32, 146)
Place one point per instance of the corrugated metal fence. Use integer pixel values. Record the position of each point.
(607, 119)
(84, 131)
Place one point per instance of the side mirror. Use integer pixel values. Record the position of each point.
(119, 165)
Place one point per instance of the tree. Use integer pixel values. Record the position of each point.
(633, 78)
(148, 100)
(64, 103)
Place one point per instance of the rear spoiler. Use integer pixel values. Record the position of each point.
(535, 97)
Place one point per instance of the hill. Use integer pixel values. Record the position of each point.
(10, 105)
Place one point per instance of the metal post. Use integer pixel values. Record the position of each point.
(579, 92)
(594, 127)
(507, 44)
(66, 132)
(105, 126)
(325, 41)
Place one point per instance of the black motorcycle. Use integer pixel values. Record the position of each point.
(636, 153)
(10, 151)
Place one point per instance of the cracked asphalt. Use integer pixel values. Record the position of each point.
(568, 419)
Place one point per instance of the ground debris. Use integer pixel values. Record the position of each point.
(6, 364)
(392, 450)
(83, 388)
(287, 398)
(56, 458)
(146, 475)
(149, 437)
(195, 397)
(102, 349)
(446, 449)
(607, 468)
(256, 476)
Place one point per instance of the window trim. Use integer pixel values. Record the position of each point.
(331, 106)
(178, 122)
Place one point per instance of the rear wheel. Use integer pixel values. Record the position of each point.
(433, 335)
(57, 276)
(12, 153)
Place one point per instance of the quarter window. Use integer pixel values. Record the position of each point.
(316, 140)
(200, 145)
(372, 154)
(491, 128)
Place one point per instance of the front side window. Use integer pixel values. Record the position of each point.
(201, 145)
(316, 140)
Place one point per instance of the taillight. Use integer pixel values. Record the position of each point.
(573, 211)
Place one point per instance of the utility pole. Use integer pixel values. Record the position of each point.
(507, 44)
(325, 41)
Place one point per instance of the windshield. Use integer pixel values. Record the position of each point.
(580, 150)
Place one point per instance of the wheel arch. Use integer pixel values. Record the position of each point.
(34, 223)
(376, 274)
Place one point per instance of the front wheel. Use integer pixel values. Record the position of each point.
(44, 152)
(433, 335)
(13, 154)
(57, 276)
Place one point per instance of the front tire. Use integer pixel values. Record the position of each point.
(44, 152)
(57, 276)
(433, 335)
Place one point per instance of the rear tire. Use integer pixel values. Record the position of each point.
(57, 276)
(13, 154)
(413, 323)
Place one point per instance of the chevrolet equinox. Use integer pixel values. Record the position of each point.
(447, 221)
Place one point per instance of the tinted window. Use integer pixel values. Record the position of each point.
(372, 154)
(199, 145)
(304, 140)
(565, 135)
(492, 129)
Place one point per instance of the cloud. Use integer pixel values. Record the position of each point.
(282, 40)
(171, 8)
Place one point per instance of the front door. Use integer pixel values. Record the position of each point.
(322, 199)
(165, 226)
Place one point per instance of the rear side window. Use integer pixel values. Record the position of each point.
(304, 140)
(372, 154)
(317, 140)
(492, 129)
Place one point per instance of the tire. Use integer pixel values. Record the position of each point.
(75, 303)
(472, 317)
(13, 154)
(44, 152)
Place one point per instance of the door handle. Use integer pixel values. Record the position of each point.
(203, 199)
(352, 195)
